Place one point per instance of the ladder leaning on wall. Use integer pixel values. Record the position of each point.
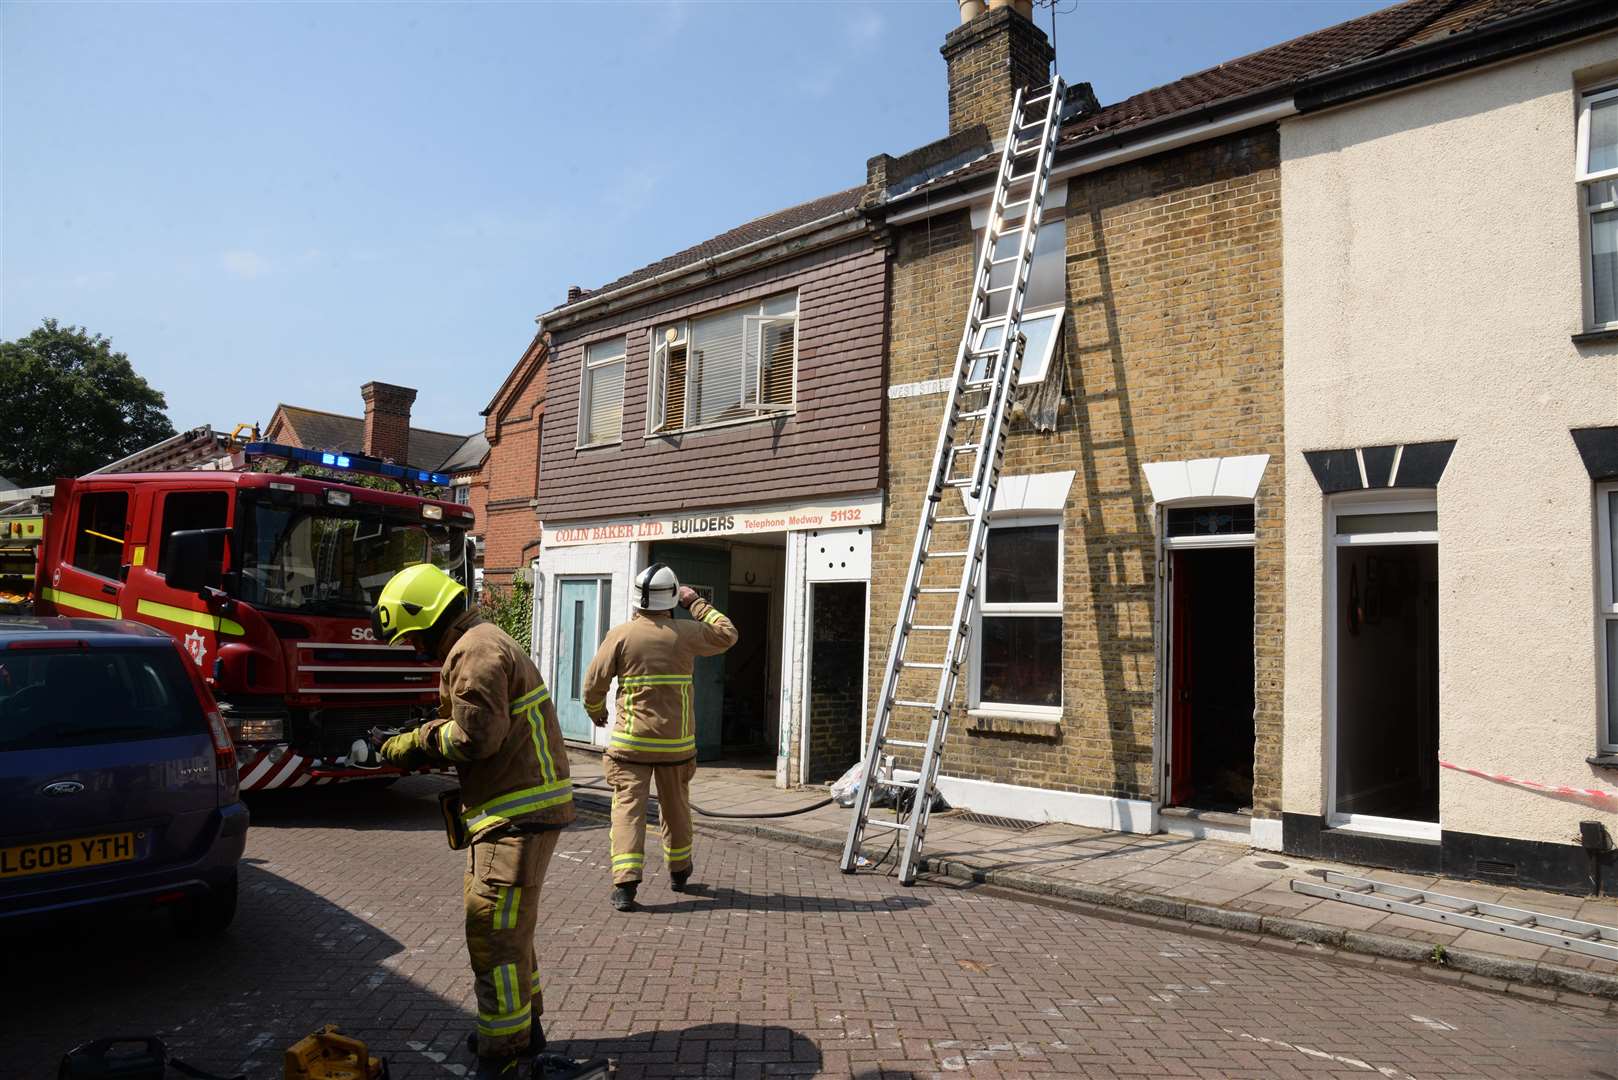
(931, 634)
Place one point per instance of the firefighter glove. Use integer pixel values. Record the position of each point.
(405, 751)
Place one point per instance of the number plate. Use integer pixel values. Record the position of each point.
(82, 851)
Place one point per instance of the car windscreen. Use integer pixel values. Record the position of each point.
(76, 697)
(327, 563)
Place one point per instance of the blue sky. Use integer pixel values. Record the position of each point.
(266, 203)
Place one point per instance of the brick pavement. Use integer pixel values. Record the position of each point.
(1162, 871)
(780, 966)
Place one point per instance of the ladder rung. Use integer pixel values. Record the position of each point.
(954, 519)
(909, 744)
(898, 826)
(912, 705)
(960, 482)
(933, 629)
(938, 589)
(1002, 288)
(975, 414)
(1004, 262)
(946, 555)
(921, 664)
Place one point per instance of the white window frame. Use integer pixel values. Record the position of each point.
(1035, 366)
(1585, 180)
(976, 705)
(1606, 615)
(588, 368)
(1356, 505)
(754, 323)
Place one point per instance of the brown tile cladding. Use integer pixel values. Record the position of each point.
(831, 445)
(1172, 351)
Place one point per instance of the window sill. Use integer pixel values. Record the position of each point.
(719, 425)
(1605, 336)
(1007, 722)
(599, 445)
(1607, 759)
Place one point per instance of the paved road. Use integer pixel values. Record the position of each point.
(781, 966)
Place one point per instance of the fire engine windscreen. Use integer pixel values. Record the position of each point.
(322, 562)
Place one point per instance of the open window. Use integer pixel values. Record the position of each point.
(1044, 302)
(737, 364)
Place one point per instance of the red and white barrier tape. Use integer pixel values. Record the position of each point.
(1557, 789)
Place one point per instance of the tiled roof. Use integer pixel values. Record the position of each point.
(319, 430)
(753, 231)
(467, 457)
(1280, 67)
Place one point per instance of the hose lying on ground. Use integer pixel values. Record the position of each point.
(717, 814)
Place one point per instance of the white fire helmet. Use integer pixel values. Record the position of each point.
(656, 588)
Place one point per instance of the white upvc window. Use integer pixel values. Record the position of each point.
(1044, 302)
(601, 393)
(733, 365)
(1598, 203)
(1607, 611)
(1017, 640)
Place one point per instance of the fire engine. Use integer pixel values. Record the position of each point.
(266, 579)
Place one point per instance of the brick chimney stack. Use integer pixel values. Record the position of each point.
(387, 421)
(991, 55)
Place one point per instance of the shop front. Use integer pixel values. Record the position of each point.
(794, 578)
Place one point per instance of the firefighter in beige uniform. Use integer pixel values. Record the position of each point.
(496, 725)
(655, 736)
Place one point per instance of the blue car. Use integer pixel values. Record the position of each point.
(118, 780)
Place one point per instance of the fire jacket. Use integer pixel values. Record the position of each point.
(651, 656)
(497, 726)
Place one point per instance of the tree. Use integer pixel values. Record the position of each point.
(69, 404)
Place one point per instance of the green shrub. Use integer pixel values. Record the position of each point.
(512, 610)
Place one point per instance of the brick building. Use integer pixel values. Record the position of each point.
(512, 426)
(1146, 439)
(718, 411)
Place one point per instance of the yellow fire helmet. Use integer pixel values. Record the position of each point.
(412, 601)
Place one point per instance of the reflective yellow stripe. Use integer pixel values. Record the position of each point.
(505, 988)
(507, 901)
(534, 989)
(651, 743)
(502, 808)
(654, 680)
(509, 1023)
(446, 744)
(138, 558)
(712, 616)
(528, 707)
(200, 619)
(676, 854)
(80, 603)
(103, 536)
(537, 696)
(628, 860)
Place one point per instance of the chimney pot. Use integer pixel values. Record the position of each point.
(971, 9)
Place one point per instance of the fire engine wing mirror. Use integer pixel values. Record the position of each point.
(194, 559)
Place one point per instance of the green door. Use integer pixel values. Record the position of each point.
(706, 570)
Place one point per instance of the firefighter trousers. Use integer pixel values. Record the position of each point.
(631, 784)
(503, 878)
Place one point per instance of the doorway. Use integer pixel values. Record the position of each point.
(1386, 683)
(1211, 691)
(584, 609)
(745, 724)
(836, 679)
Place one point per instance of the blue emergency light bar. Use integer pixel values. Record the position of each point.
(357, 463)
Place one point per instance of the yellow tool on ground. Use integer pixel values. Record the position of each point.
(328, 1054)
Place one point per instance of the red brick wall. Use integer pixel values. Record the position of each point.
(387, 420)
(830, 445)
(504, 502)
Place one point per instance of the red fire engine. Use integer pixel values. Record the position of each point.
(266, 580)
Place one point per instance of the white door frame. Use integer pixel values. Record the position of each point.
(1353, 504)
(809, 668)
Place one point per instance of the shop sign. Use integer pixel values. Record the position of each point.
(791, 518)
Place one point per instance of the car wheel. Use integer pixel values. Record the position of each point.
(210, 914)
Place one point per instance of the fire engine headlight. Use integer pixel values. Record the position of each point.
(337, 498)
(432, 513)
(261, 729)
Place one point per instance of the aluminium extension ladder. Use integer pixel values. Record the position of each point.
(971, 443)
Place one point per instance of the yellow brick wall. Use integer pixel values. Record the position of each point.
(1172, 351)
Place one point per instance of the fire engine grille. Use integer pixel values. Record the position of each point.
(338, 728)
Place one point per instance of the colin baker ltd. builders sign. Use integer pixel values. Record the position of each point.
(790, 518)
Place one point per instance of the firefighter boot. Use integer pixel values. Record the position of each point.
(623, 897)
(679, 878)
(504, 1068)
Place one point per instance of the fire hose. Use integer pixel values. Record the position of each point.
(716, 814)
